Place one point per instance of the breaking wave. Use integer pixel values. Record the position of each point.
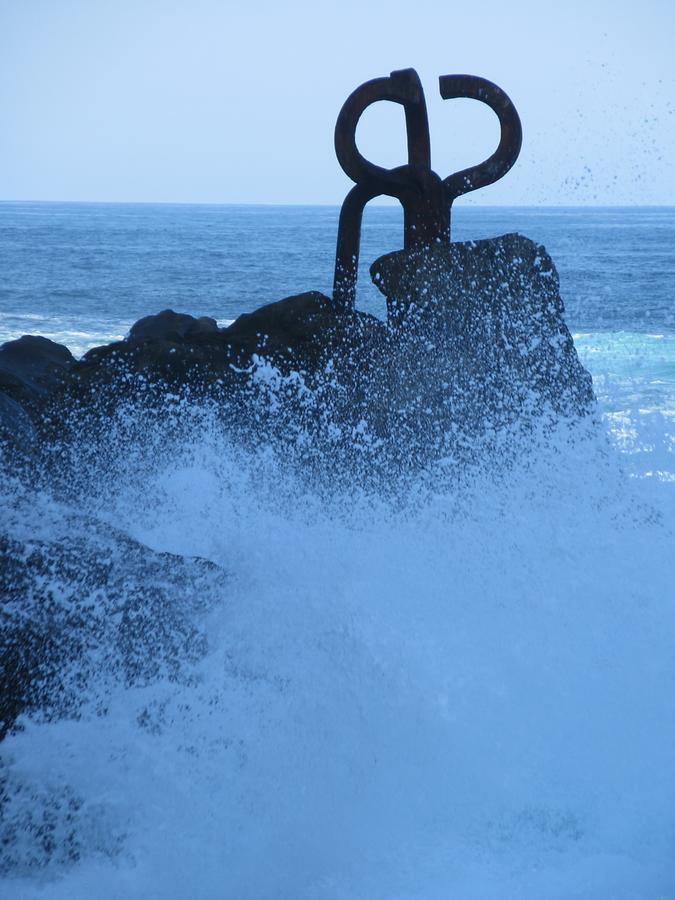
(460, 688)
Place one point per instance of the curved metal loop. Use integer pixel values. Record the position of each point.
(426, 199)
(403, 87)
(409, 183)
(511, 138)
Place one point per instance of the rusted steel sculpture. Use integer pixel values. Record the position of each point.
(426, 198)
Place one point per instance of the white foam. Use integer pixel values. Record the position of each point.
(465, 694)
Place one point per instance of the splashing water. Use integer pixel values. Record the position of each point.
(465, 690)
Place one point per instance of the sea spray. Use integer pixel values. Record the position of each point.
(459, 687)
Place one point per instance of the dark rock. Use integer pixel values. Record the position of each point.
(285, 373)
(301, 334)
(83, 601)
(476, 341)
(15, 423)
(480, 332)
(32, 366)
(297, 324)
(298, 331)
(170, 325)
(304, 331)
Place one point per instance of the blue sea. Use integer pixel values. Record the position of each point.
(465, 693)
(83, 273)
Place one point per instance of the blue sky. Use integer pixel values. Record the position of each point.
(209, 101)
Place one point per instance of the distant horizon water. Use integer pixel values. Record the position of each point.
(467, 202)
(81, 273)
(87, 268)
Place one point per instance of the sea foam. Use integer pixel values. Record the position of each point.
(461, 689)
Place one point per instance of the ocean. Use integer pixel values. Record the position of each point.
(467, 691)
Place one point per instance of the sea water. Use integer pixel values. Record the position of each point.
(465, 691)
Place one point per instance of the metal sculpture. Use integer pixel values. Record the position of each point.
(426, 198)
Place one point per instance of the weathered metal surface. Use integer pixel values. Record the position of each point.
(426, 198)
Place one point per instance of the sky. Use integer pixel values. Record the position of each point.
(213, 101)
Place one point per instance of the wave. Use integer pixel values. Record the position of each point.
(463, 688)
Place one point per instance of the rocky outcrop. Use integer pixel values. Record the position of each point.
(16, 425)
(480, 331)
(81, 599)
(330, 359)
(31, 368)
(297, 332)
(170, 325)
(475, 341)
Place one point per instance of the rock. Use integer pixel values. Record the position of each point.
(305, 329)
(33, 366)
(476, 341)
(283, 376)
(15, 423)
(294, 323)
(82, 602)
(480, 332)
(303, 333)
(297, 331)
(170, 325)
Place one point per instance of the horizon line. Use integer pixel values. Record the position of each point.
(336, 205)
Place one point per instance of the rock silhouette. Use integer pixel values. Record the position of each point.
(82, 598)
(475, 342)
(169, 325)
(31, 368)
(490, 316)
